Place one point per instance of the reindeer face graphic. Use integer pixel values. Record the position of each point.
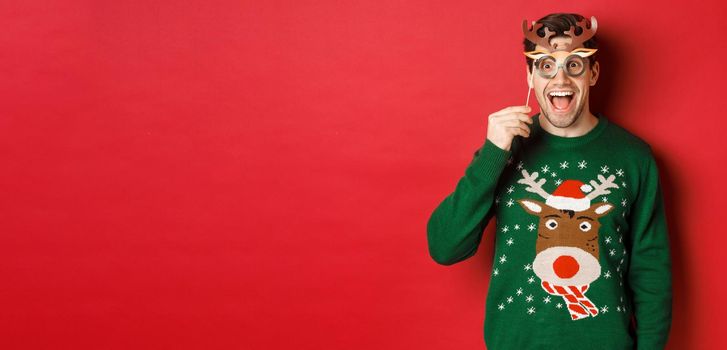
(567, 248)
(572, 236)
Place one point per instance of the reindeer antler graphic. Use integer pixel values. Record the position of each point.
(533, 185)
(602, 188)
(587, 33)
(533, 37)
(567, 244)
(576, 40)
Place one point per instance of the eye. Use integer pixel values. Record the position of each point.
(584, 226)
(551, 224)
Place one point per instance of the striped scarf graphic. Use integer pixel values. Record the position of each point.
(578, 304)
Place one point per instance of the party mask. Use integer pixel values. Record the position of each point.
(572, 61)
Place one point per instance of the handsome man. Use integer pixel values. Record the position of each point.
(581, 240)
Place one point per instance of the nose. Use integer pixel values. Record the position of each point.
(565, 266)
(560, 77)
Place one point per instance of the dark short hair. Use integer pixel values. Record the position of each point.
(560, 23)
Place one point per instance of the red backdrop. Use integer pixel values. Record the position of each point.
(258, 175)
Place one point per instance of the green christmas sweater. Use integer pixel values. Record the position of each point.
(581, 242)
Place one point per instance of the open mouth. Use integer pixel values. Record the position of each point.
(561, 101)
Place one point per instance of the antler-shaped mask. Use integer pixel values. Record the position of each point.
(547, 63)
(576, 40)
(570, 57)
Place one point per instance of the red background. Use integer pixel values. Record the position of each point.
(258, 175)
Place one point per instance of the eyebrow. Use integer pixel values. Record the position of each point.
(551, 215)
(584, 217)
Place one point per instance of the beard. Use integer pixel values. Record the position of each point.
(567, 120)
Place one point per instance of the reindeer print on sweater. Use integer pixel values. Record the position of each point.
(566, 230)
(566, 249)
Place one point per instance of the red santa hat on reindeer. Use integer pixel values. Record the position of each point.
(570, 196)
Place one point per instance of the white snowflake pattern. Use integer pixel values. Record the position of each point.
(509, 300)
(510, 241)
(519, 291)
(604, 169)
(607, 274)
(529, 298)
(531, 310)
(623, 183)
(520, 165)
(527, 267)
(623, 202)
(497, 199)
(611, 252)
(604, 309)
(618, 228)
(620, 172)
(505, 228)
(545, 169)
(553, 174)
(495, 272)
(604, 199)
(517, 227)
(582, 164)
(559, 305)
(510, 202)
(501, 306)
(531, 227)
(503, 259)
(509, 161)
(558, 182)
(564, 165)
(618, 308)
(531, 279)
(546, 299)
(510, 189)
(608, 239)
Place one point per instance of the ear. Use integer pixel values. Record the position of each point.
(532, 206)
(594, 74)
(601, 209)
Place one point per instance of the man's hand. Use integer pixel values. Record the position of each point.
(503, 125)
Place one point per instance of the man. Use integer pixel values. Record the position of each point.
(581, 240)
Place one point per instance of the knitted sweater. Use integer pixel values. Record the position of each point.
(581, 240)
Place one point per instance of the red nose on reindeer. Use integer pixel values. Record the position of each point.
(565, 266)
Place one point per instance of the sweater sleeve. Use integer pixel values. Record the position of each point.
(454, 229)
(649, 273)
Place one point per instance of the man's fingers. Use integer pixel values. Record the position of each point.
(519, 109)
(518, 131)
(504, 125)
(515, 123)
(511, 116)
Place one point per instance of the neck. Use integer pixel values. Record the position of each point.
(583, 124)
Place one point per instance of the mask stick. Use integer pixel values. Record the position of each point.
(530, 86)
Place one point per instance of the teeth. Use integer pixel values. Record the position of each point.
(560, 93)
